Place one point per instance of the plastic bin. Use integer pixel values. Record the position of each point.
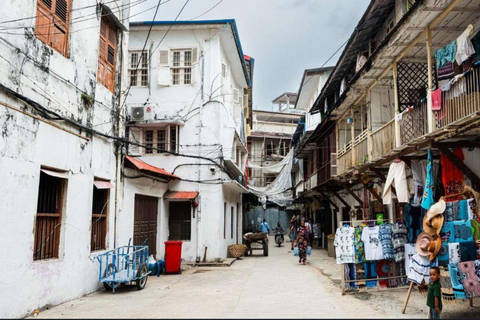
(173, 256)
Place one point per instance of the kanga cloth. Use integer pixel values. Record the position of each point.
(420, 269)
(468, 277)
(446, 287)
(457, 287)
(452, 177)
(427, 200)
(358, 244)
(385, 236)
(399, 233)
(457, 231)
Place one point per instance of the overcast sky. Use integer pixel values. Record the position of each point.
(284, 36)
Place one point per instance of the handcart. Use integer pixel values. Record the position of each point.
(124, 265)
(259, 238)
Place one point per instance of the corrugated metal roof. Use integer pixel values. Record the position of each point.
(147, 168)
(180, 195)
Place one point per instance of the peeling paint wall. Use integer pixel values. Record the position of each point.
(41, 74)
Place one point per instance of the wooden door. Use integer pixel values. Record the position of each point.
(145, 222)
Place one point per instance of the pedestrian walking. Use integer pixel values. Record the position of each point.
(302, 242)
(293, 230)
(264, 227)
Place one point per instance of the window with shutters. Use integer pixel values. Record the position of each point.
(138, 68)
(99, 219)
(49, 215)
(52, 23)
(149, 141)
(107, 54)
(181, 66)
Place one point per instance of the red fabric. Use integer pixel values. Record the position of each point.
(452, 178)
(437, 99)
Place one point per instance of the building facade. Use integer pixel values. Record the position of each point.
(61, 114)
(186, 115)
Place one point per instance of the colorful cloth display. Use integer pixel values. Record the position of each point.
(419, 269)
(343, 243)
(413, 221)
(468, 277)
(457, 231)
(457, 287)
(427, 200)
(399, 234)
(385, 236)
(452, 177)
(371, 241)
(370, 272)
(358, 244)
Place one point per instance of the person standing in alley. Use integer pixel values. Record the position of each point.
(264, 227)
(434, 295)
(302, 242)
(293, 230)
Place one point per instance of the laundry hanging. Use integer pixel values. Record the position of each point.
(396, 173)
(427, 200)
(464, 46)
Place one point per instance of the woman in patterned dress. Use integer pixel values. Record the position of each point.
(302, 242)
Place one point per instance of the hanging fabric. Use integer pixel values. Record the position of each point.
(344, 245)
(464, 47)
(437, 100)
(418, 174)
(446, 54)
(452, 177)
(396, 173)
(427, 200)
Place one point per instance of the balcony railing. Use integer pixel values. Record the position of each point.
(414, 123)
(462, 100)
(360, 149)
(344, 158)
(383, 140)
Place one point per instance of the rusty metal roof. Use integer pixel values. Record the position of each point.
(138, 164)
(180, 195)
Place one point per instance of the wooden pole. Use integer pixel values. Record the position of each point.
(409, 292)
(398, 140)
(430, 81)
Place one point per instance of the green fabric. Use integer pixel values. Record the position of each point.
(475, 229)
(434, 291)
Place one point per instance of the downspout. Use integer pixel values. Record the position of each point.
(199, 208)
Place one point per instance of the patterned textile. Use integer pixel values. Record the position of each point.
(453, 252)
(392, 271)
(467, 273)
(458, 290)
(343, 243)
(476, 235)
(420, 269)
(410, 251)
(446, 287)
(472, 208)
(457, 231)
(399, 233)
(401, 272)
(383, 268)
(385, 236)
(443, 254)
(463, 210)
(350, 274)
(413, 221)
(446, 72)
(451, 211)
(452, 177)
(358, 244)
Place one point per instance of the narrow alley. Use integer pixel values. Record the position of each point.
(276, 286)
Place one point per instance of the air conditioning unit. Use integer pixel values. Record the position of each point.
(141, 113)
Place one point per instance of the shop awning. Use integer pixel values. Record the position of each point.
(102, 184)
(180, 195)
(144, 167)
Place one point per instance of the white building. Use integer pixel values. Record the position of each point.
(62, 68)
(186, 112)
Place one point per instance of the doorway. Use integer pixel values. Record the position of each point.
(145, 222)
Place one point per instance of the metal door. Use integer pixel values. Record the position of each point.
(145, 222)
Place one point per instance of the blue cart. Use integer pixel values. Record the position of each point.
(124, 265)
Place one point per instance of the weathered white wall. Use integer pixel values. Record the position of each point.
(220, 124)
(27, 144)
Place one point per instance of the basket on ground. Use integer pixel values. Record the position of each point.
(236, 250)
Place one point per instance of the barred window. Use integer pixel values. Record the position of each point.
(160, 140)
(149, 141)
(181, 67)
(99, 217)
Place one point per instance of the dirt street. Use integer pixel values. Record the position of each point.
(276, 286)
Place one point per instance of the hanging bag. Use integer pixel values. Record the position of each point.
(295, 251)
(309, 250)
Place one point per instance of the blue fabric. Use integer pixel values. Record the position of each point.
(264, 227)
(463, 210)
(446, 54)
(385, 237)
(443, 254)
(370, 272)
(427, 200)
(468, 251)
(295, 251)
(413, 221)
(457, 231)
(457, 287)
(309, 250)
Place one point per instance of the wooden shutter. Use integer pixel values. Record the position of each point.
(43, 22)
(194, 55)
(107, 54)
(51, 26)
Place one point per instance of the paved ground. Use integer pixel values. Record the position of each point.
(253, 287)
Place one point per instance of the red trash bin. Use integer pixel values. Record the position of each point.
(173, 256)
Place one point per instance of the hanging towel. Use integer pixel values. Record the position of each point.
(446, 87)
(396, 172)
(446, 54)
(446, 72)
(464, 48)
(427, 200)
(437, 99)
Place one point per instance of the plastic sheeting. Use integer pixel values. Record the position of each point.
(275, 168)
(280, 190)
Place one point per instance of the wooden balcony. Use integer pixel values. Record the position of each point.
(383, 140)
(360, 149)
(344, 158)
(461, 101)
(414, 123)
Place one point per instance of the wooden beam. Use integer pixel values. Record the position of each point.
(458, 144)
(462, 167)
(440, 29)
(330, 201)
(341, 199)
(352, 193)
(381, 176)
(375, 194)
(464, 9)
